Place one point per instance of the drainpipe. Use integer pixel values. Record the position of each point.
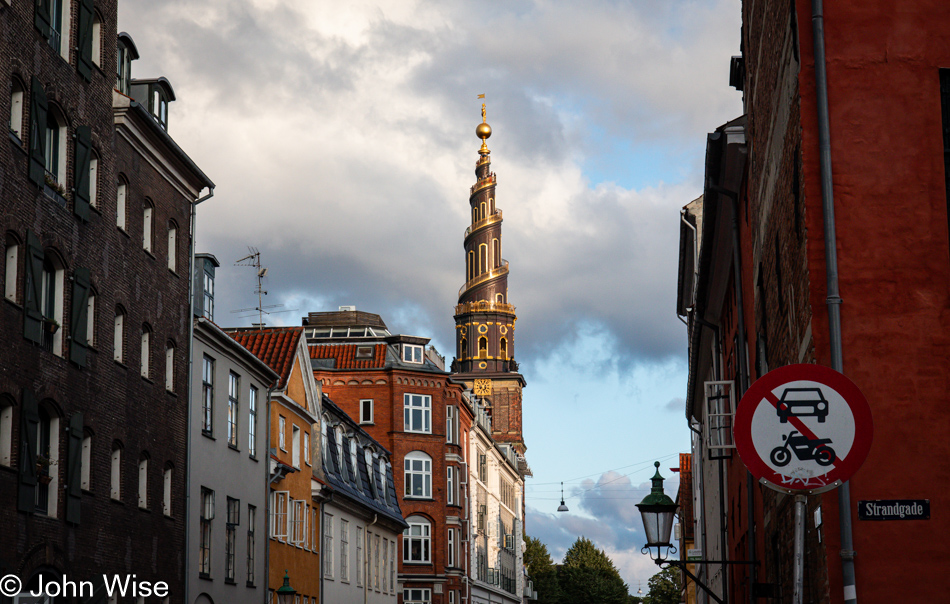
(833, 301)
(190, 396)
(267, 483)
(365, 569)
(463, 487)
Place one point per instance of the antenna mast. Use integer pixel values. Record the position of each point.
(253, 259)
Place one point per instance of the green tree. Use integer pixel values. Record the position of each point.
(588, 575)
(541, 571)
(664, 587)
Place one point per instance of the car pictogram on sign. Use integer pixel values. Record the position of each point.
(802, 402)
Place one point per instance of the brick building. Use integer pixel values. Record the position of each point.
(758, 293)
(401, 395)
(96, 205)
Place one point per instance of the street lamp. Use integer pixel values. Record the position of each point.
(657, 511)
(286, 593)
(562, 507)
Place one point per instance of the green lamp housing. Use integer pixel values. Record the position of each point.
(657, 511)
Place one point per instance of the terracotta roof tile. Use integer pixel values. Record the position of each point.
(345, 355)
(275, 346)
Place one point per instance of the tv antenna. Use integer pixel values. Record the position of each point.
(253, 260)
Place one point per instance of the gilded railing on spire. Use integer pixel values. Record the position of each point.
(491, 219)
(482, 183)
(495, 272)
(484, 306)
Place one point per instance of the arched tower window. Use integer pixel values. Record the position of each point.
(482, 258)
(496, 252)
(503, 348)
(481, 211)
(471, 265)
(463, 347)
(482, 347)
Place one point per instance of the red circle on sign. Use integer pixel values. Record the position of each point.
(761, 392)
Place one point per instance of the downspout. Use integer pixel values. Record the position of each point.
(267, 483)
(322, 556)
(365, 569)
(833, 300)
(191, 352)
(463, 484)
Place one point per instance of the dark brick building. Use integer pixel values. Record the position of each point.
(759, 296)
(95, 209)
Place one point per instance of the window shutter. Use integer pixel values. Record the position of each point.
(29, 428)
(79, 339)
(38, 108)
(32, 317)
(331, 446)
(84, 65)
(81, 172)
(41, 17)
(74, 469)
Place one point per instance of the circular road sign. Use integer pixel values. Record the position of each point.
(803, 428)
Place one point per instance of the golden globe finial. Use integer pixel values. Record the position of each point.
(483, 131)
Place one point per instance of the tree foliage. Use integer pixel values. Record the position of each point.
(542, 572)
(664, 587)
(588, 575)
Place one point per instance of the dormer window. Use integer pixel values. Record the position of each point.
(125, 54)
(155, 96)
(412, 353)
(160, 107)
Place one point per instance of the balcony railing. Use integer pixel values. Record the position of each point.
(491, 219)
(495, 272)
(484, 306)
(481, 184)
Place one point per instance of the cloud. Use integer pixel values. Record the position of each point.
(341, 140)
(677, 404)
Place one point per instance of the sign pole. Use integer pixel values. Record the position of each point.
(798, 573)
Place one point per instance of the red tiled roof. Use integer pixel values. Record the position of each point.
(345, 355)
(275, 346)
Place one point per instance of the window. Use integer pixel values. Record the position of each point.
(503, 348)
(16, 109)
(416, 596)
(47, 461)
(172, 246)
(416, 540)
(85, 461)
(118, 338)
(6, 431)
(482, 347)
(451, 482)
(418, 475)
(344, 550)
(392, 568)
(143, 481)
(720, 406)
(359, 556)
(204, 545)
(170, 366)
(93, 179)
(44, 297)
(451, 551)
(306, 448)
(207, 395)
(230, 544)
(234, 388)
(90, 317)
(282, 433)
(251, 518)
(385, 563)
(376, 563)
(366, 411)
(208, 296)
(115, 489)
(252, 422)
(167, 490)
(280, 504)
(364, 352)
(11, 266)
(146, 336)
(55, 149)
(120, 198)
(417, 413)
(96, 50)
(147, 226)
(452, 425)
(295, 444)
(412, 353)
(59, 17)
(328, 546)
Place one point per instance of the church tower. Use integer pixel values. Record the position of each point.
(484, 319)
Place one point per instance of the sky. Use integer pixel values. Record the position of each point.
(341, 138)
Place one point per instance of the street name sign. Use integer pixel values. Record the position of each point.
(803, 428)
(894, 509)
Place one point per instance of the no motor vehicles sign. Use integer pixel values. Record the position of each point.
(803, 428)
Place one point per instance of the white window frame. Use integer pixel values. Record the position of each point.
(172, 247)
(450, 483)
(417, 465)
(420, 404)
(422, 596)
(12, 264)
(451, 560)
(419, 530)
(118, 338)
(252, 422)
(143, 483)
(366, 404)
(282, 433)
(720, 405)
(167, 492)
(413, 353)
(145, 360)
(169, 367)
(451, 425)
(279, 515)
(295, 445)
(359, 556)
(328, 546)
(115, 482)
(16, 108)
(121, 197)
(85, 460)
(298, 517)
(234, 407)
(344, 550)
(306, 448)
(147, 213)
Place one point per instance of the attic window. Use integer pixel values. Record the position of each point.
(364, 352)
(321, 332)
(412, 353)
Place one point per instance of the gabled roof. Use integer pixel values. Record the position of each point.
(274, 345)
(344, 355)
